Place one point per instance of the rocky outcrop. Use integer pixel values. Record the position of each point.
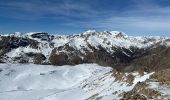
(162, 76)
(65, 55)
(38, 58)
(141, 92)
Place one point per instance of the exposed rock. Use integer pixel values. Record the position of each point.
(39, 58)
(58, 59)
(21, 59)
(141, 92)
(122, 77)
(65, 55)
(162, 76)
(36, 58)
(157, 59)
(121, 35)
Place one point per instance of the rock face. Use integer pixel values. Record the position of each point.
(8, 43)
(65, 55)
(116, 49)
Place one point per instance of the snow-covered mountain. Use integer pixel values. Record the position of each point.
(15, 47)
(73, 66)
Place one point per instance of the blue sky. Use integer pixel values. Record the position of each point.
(135, 17)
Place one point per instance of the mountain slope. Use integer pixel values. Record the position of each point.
(39, 82)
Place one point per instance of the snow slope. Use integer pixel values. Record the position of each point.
(47, 82)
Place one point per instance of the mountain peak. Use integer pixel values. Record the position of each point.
(38, 35)
(16, 34)
(118, 34)
(89, 32)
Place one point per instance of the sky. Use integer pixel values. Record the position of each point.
(134, 17)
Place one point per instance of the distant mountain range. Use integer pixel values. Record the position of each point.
(106, 48)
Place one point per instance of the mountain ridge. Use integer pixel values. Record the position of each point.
(113, 46)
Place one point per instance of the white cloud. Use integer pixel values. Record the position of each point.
(144, 15)
(39, 9)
